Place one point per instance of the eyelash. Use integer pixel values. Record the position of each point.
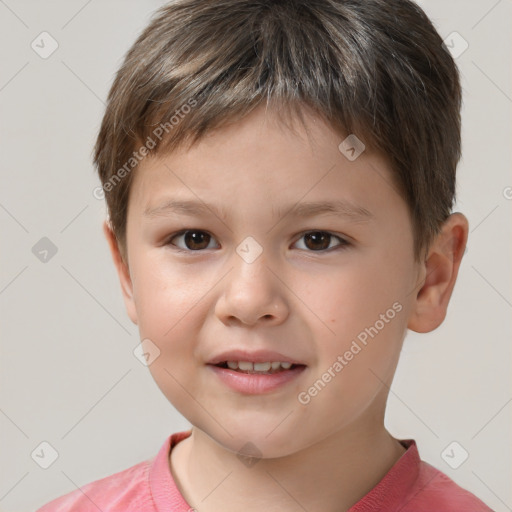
(343, 245)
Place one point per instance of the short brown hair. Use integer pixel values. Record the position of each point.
(375, 68)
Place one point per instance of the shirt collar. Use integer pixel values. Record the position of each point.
(387, 495)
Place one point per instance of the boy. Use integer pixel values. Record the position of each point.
(239, 134)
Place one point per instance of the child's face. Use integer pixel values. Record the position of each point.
(305, 297)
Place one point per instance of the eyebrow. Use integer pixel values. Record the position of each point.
(338, 208)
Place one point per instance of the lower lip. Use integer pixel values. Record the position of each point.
(253, 384)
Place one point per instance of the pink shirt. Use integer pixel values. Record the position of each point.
(411, 485)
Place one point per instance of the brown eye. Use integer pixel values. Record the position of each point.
(318, 241)
(193, 239)
(197, 240)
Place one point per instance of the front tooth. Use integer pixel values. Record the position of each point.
(262, 367)
(233, 365)
(276, 365)
(245, 365)
(286, 366)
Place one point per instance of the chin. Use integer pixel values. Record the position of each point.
(255, 443)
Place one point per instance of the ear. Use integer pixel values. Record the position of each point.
(438, 275)
(122, 271)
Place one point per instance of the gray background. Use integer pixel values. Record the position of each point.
(68, 373)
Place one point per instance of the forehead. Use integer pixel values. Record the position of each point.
(265, 161)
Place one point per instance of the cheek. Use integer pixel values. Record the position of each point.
(163, 297)
(365, 311)
(353, 297)
(169, 307)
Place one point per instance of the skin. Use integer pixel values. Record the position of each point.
(297, 298)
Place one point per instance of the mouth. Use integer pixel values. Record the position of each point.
(251, 378)
(265, 368)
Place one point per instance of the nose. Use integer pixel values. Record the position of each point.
(252, 294)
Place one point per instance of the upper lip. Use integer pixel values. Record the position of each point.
(257, 356)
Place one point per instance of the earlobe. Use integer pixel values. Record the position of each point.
(439, 274)
(123, 272)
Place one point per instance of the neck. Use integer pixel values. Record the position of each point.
(330, 475)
